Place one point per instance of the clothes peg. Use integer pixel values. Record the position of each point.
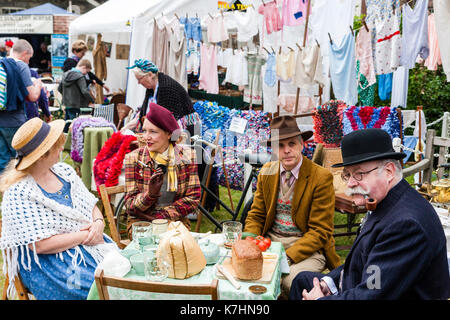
(365, 25)
(298, 46)
(273, 51)
(263, 3)
(353, 33)
(317, 43)
(291, 48)
(210, 15)
(177, 16)
(266, 50)
(329, 36)
(196, 14)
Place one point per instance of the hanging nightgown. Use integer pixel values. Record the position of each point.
(364, 68)
(209, 79)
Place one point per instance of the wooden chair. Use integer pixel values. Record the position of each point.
(22, 291)
(426, 165)
(105, 192)
(102, 282)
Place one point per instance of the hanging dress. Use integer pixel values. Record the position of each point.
(208, 80)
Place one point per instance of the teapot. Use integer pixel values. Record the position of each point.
(210, 251)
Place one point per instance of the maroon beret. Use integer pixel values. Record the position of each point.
(162, 118)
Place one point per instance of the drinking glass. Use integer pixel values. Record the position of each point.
(142, 233)
(155, 266)
(159, 226)
(232, 231)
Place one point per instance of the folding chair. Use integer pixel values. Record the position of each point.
(22, 291)
(102, 282)
(105, 192)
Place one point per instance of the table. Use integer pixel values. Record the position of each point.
(94, 138)
(226, 291)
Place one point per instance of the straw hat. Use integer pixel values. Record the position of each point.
(33, 139)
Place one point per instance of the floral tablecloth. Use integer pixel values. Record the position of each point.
(225, 288)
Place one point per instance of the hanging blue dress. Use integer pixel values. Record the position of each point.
(57, 279)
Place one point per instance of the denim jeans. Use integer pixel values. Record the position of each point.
(6, 150)
(71, 113)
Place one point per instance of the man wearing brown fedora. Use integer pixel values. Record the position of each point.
(294, 203)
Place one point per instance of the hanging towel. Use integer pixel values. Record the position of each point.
(343, 70)
(415, 33)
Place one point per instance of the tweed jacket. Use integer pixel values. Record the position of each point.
(312, 210)
(137, 177)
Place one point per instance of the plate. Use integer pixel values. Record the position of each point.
(270, 262)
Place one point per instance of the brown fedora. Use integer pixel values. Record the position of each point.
(284, 127)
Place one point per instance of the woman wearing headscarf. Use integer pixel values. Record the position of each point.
(52, 231)
(160, 89)
(161, 177)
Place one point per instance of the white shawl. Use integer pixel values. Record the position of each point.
(29, 216)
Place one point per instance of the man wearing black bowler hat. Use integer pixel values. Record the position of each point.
(400, 249)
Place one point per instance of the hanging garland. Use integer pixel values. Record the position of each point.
(327, 121)
(109, 161)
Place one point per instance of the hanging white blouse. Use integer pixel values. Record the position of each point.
(246, 24)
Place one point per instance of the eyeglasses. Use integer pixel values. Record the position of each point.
(358, 176)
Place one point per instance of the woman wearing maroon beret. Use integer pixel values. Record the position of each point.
(161, 177)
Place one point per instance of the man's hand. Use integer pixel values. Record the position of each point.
(319, 290)
(48, 119)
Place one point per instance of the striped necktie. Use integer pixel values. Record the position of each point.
(287, 182)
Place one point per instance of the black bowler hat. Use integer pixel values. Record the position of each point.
(367, 145)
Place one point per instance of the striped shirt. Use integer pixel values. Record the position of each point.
(3, 84)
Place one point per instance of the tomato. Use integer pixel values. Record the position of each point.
(268, 242)
(262, 246)
(249, 238)
(255, 241)
(260, 238)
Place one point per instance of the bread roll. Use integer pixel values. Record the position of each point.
(247, 260)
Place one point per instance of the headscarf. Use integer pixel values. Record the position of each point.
(145, 65)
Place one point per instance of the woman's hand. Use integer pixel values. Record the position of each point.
(155, 183)
(95, 235)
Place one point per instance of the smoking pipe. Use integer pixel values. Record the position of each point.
(371, 204)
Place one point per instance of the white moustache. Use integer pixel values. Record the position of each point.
(356, 190)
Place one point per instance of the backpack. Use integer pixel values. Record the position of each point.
(3, 100)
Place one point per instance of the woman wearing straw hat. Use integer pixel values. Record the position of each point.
(52, 233)
(161, 177)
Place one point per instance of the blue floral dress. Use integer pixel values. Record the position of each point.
(57, 278)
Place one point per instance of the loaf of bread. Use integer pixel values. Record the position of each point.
(246, 260)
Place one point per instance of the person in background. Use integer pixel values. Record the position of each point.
(20, 87)
(79, 48)
(400, 248)
(32, 108)
(294, 204)
(75, 93)
(8, 44)
(2, 50)
(42, 59)
(161, 177)
(52, 230)
(160, 89)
